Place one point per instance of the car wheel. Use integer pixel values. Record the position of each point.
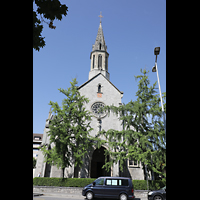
(123, 197)
(89, 195)
(157, 198)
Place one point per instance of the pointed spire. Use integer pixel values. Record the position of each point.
(100, 41)
(49, 113)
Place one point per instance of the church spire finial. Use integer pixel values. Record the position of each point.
(100, 16)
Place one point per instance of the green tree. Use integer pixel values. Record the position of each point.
(143, 136)
(50, 10)
(69, 130)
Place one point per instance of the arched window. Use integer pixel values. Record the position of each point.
(100, 61)
(99, 88)
(99, 46)
(106, 63)
(93, 61)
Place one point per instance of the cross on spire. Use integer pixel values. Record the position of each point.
(100, 16)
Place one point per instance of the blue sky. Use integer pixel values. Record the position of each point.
(132, 29)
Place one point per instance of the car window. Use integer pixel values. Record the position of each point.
(114, 182)
(108, 182)
(99, 181)
(118, 182)
(111, 182)
(123, 182)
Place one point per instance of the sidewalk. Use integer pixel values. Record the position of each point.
(74, 195)
(59, 194)
(74, 192)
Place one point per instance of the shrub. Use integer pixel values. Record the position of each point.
(153, 185)
(64, 182)
(139, 184)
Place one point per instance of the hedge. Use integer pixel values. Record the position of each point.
(82, 182)
(63, 182)
(152, 185)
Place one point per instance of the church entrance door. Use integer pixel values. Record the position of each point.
(98, 160)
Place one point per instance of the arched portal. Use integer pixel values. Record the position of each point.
(97, 162)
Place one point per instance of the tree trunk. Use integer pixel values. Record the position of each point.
(76, 170)
(63, 171)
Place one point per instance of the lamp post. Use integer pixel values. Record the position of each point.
(155, 69)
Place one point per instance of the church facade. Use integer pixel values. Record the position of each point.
(100, 91)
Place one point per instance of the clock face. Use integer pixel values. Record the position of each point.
(95, 109)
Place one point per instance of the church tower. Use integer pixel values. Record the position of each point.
(99, 56)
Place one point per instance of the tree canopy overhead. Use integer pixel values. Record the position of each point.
(46, 10)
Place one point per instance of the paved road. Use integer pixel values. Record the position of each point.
(44, 197)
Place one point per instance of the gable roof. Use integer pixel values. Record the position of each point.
(95, 77)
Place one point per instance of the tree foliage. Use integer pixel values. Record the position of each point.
(69, 130)
(143, 136)
(50, 10)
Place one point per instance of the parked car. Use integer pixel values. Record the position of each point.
(110, 187)
(157, 194)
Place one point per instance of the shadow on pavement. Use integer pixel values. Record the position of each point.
(37, 194)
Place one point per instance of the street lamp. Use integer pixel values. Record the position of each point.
(156, 51)
(155, 69)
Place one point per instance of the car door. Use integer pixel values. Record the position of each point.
(111, 188)
(98, 188)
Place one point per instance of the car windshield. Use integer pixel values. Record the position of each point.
(99, 181)
(163, 188)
